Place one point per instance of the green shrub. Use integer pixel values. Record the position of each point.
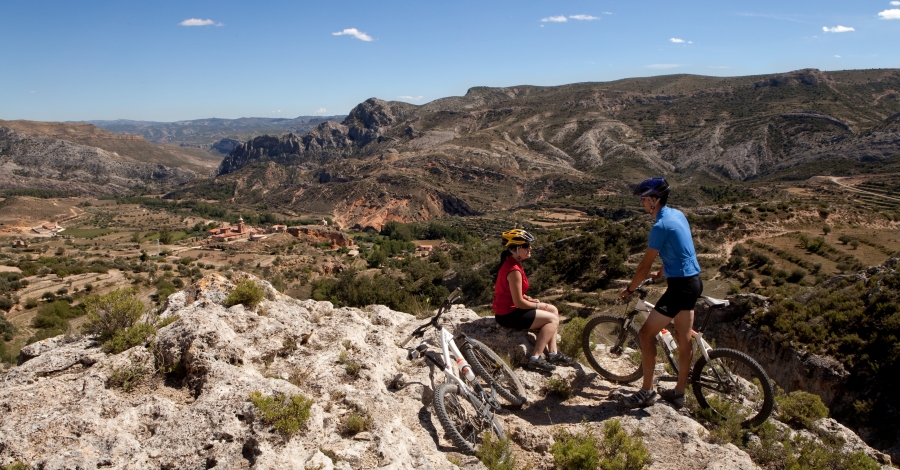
(352, 368)
(621, 451)
(126, 377)
(31, 303)
(17, 465)
(496, 454)
(118, 310)
(128, 338)
(570, 337)
(356, 423)
(247, 293)
(575, 451)
(7, 329)
(559, 388)
(801, 408)
(286, 413)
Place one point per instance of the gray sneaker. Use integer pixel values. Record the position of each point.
(560, 359)
(672, 396)
(639, 399)
(540, 364)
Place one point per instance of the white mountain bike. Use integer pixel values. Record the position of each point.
(720, 378)
(463, 406)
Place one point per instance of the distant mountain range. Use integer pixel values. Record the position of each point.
(499, 148)
(206, 133)
(502, 148)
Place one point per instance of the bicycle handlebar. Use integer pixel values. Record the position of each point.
(445, 305)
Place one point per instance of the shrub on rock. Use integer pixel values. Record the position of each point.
(247, 293)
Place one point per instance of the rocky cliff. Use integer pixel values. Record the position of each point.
(183, 399)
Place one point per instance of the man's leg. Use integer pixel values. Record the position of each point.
(655, 322)
(684, 322)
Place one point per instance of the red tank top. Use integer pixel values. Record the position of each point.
(503, 302)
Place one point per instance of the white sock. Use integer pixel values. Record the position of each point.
(534, 358)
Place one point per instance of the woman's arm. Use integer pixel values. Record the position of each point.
(515, 289)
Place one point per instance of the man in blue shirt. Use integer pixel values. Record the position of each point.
(670, 239)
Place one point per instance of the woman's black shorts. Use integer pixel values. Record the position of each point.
(517, 319)
(682, 294)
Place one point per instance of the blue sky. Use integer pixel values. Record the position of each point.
(177, 60)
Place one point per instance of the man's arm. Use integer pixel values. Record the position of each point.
(643, 269)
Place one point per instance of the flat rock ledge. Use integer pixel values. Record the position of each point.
(189, 406)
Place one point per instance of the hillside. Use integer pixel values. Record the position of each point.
(501, 148)
(53, 165)
(128, 147)
(182, 399)
(205, 133)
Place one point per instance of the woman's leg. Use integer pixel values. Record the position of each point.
(548, 322)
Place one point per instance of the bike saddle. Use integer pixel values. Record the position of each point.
(714, 302)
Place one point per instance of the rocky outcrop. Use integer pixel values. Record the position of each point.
(316, 234)
(189, 407)
(47, 163)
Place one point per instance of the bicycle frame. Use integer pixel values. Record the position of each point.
(641, 306)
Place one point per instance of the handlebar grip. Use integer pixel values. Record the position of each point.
(454, 295)
(407, 340)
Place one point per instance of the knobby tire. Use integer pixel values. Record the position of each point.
(493, 369)
(753, 395)
(614, 355)
(461, 420)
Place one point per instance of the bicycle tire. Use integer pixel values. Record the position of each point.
(495, 371)
(614, 355)
(752, 394)
(461, 420)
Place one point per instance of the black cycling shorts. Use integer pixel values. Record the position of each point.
(518, 319)
(682, 294)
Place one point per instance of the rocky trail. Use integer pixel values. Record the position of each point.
(64, 405)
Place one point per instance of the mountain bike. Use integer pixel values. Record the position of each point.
(723, 380)
(463, 406)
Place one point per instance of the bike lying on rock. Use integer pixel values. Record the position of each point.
(723, 380)
(462, 404)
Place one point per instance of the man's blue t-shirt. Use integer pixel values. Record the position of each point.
(671, 235)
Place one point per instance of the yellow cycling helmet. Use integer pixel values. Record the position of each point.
(517, 237)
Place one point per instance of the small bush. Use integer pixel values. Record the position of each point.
(247, 293)
(801, 408)
(7, 329)
(17, 465)
(621, 451)
(286, 413)
(356, 423)
(496, 454)
(126, 378)
(559, 388)
(118, 310)
(570, 337)
(128, 338)
(31, 303)
(352, 368)
(575, 451)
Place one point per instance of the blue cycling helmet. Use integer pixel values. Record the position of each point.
(656, 187)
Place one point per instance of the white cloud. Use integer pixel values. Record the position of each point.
(199, 22)
(677, 40)
(410, 98)
(583, 17)
(892, 14)
(838, 29)
(320, 110)
(33, 92)
(662, 66)
(607, 13)
(355, 33)
(895, 3)
(554, 19)
(837, 56)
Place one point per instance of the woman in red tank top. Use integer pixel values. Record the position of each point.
(514, 309)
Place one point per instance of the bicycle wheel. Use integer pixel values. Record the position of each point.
(462, 422)
(494, 370)
(732, 382)
(611, 350)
